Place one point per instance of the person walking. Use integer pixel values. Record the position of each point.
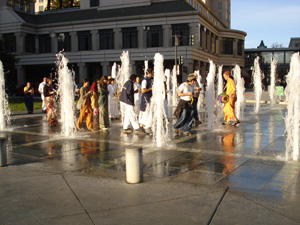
(184, 111)
(127, 98)
(28, 97)
(137, 95)
(145, 117)
(229, 106)
(50, 103)
(41, 91)
(94, 104)
(197, 90)
(113, 100)
(103, 103)
(86, 108)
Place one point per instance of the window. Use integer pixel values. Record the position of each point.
(106, 38)
(219, 5)
(182, 30)
(240, 47)
(30, 43)
(154, 37)
(41, 0)
(227, 46)
(94, 3)
(220, 15)
(41, 8)
(64, 42)
(84, 41)
(130, 37)
(196, 5)
(191, 2)
(44, 43)
(10, 44)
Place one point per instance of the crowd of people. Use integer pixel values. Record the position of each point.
(104, 101)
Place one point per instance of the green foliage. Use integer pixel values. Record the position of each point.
(9, 61)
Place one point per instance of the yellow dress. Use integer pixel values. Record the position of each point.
(229, 107)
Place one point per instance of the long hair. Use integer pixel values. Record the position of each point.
(94, 87)
(102, 83)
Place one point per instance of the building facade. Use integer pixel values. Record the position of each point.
(94, 36)
(265, 54)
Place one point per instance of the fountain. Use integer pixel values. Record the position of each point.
(160, 121)
(210, 97)
(174, 87)
(4, 109)
(114, 71)
(66, 89)
(272, 84)
(292, 119)
(169, 99)
(220, 88)
(257, 78)
(146, 67)
(123, 74)
(240, 90)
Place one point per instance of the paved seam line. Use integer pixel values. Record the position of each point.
(78, 199)
(217, 207)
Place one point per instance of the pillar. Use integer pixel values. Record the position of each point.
(167, 36)
(95, 40)
(106, 70)
(82, 71)
(194, 31)
(118, 38)
(21, 79)
(20, 39)
(74, 41)
(235, 47)
(141, 35)
(218, 46)
(54, 43)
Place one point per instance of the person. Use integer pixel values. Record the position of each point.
(94, 103)
(112, 100)
(145, 117)
(41, 91)
(103, 103)
(137, 95)
(28, 97)
(127, 98)
(51, 108)
(197, 90)
(184, 111)
(86, 108)
(229, 106)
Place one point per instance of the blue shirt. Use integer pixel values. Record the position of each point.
(127, 94)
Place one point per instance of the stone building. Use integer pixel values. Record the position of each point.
(95, 34)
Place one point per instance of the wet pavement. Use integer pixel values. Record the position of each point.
(232, 175)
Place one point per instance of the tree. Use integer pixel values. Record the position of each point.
(9, 64)
(277, 45)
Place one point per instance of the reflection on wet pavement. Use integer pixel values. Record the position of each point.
(251, 155)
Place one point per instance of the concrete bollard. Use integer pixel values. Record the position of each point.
(3, 155)
(134, 165)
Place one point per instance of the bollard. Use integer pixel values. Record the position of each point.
(3, 156)
(134, 165)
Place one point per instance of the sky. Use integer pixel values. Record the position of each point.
(273, 21)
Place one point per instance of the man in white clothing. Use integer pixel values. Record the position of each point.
(41, 91)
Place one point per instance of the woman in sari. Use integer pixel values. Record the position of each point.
(28, 97)
(103, 103)
(51, 108)
(229, 106)
(94, 103)
(112, 100)
(86, 108)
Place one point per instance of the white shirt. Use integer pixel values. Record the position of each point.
(41, 87)
(144, 84)
(185, 88)
(137, 96)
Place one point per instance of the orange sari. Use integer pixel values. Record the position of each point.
(229, 106)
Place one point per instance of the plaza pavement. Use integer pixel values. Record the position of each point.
(232, 175)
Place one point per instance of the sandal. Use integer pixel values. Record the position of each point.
(226, 123)
(236, 122)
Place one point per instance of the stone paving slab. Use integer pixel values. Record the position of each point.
(223, 176)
